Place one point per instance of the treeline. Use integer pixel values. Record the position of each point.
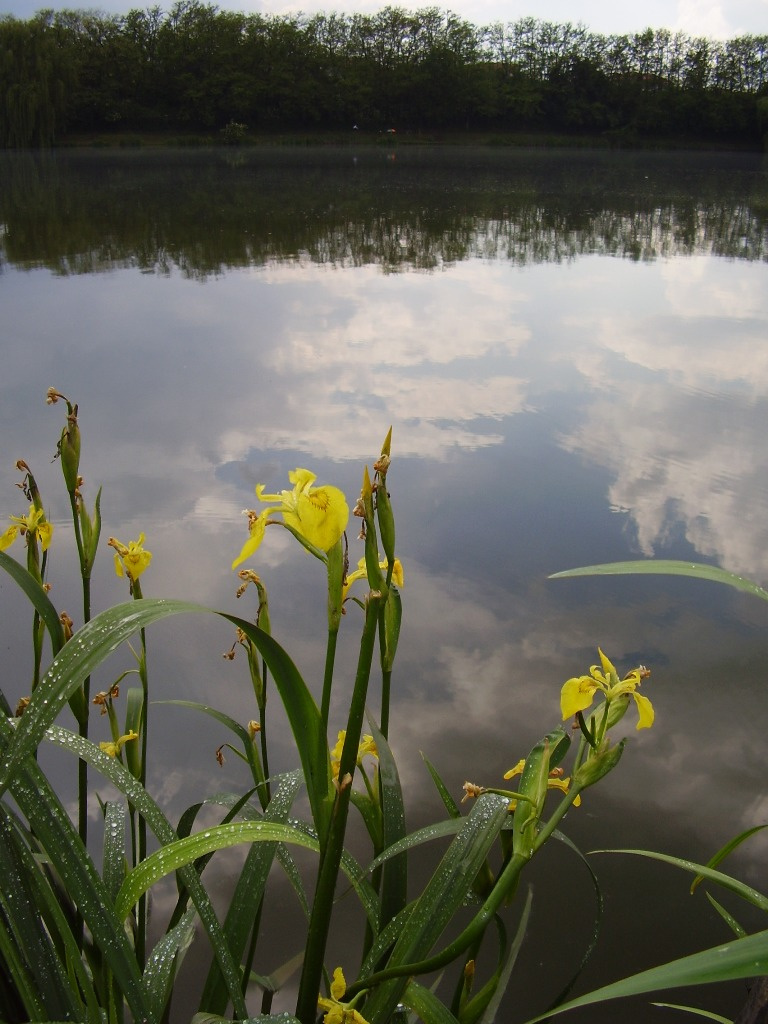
(198, 68)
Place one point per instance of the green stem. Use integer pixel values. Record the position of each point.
(330, 855)
(502, 890)
(330, 658)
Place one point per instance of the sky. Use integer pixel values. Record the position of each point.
(716, 19)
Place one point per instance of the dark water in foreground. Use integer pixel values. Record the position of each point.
(571, 349)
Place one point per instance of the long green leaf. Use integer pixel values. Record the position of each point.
(696, 1011)
(304, 718)
(185, 851)
(746, 892)
(727, 849)
(741, 958)
(75, 662)
(425, 1003)
(666, 567)
(164, 961)
(248, 894)
(394, 879)
(443, 895)
(56, 835)
(38, 597)
(111, 768)
(38, 971)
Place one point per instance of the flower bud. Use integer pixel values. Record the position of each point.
(598, 765)
(69, 449)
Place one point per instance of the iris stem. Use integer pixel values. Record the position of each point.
(330, 854)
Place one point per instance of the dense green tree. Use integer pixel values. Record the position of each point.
(198, 67)
(36, 79)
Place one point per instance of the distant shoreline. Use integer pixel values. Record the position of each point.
(487, 138)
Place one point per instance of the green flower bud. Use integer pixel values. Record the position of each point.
(597, 765)
(69, 449)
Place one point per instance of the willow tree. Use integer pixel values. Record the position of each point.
(34, 83)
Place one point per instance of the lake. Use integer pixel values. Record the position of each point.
(572, 350)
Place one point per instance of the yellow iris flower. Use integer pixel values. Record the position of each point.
(578, 693)
(338, 1012)
(130, 560)
(367, 746)
(318, 514)
(361, 574)
(34, 524)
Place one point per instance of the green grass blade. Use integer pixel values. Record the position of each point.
(728, 917)
(741, 958)
(38, 597)
(164, 961)
(598, 918)
(113, 865)
(57, 836)
(185, 851)
(76, 660)
(47, 908)
(450, 804)
(15, 967)
(111, 768)
(440, 830)
(249, 893)
(425, 1003)
(491, 1013)
(666, 567)
(696, 1011)
(393, 893)
(729, 847)
(304, 718)
(757, 899)
(443, 895)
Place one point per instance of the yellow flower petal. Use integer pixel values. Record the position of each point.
(320, 515)
(45, 533)
(644, 710)
(576, 695)
(338, 985)
(7, 538)
(255, 537)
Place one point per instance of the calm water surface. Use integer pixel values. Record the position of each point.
(572, 349)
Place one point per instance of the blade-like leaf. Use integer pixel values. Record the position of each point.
(394, 879)
(492, 1009)
(38, 597)
(741, 958)
(248, 894)
(727, 849)
(74, 663)
(667, 567)
(113, 867)
(696, 1011)
(164, 961)
(304, 718)
(112, 769)
(746, 892)
(425, 1003)
(185, 851)
(443, 895)
(56, 835)
(445, 795)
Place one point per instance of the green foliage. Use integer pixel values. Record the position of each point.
(197, 67)
(73, 905)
